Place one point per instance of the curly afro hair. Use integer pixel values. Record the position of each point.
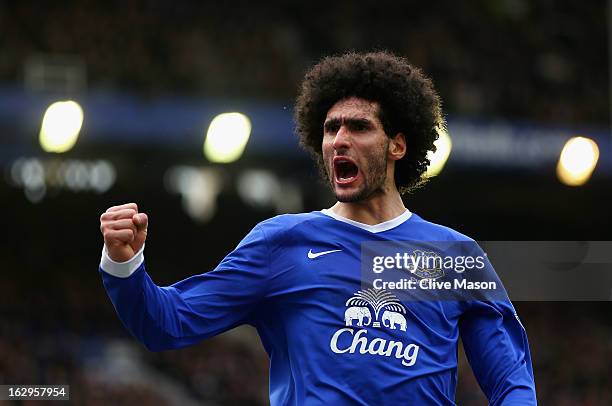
(407, 99)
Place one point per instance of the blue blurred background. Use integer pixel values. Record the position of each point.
(518, 80)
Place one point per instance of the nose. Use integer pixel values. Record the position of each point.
(342, 139)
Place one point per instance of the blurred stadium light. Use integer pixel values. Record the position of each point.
(118, 121)
(577, 161)
(198, 187)
(227, 137)
(438, 159)
(258, 187)
(263, 189)
(35, 176)
(30, 174)
(61, 125)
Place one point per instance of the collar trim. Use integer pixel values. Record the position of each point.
(376, 228)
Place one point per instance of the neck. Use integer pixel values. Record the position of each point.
(375, 210)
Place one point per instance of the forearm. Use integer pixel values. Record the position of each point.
(496, 345)
(516, 390)
(147, 311)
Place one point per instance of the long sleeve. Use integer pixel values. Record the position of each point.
(193, 309)
(496, 346)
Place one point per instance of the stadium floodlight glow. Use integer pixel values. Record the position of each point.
(577, 161)
(61, 125)
(227, 137)
(438, 159)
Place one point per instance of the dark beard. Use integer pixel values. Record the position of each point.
(374, 180)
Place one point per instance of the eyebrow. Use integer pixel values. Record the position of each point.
(350, 122)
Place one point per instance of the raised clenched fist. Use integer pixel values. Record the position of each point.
(124, 231)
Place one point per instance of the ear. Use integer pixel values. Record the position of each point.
(397, 147)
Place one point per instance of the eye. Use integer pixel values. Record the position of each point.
(331, 127)
(359, 126)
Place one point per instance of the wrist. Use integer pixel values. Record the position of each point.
(121, 269)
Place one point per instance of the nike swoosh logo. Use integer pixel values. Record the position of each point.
(313, 255)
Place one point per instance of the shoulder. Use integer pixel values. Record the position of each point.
(279, 231)
(436, 232)
(284, 225)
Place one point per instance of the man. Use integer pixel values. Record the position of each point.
(369, 120)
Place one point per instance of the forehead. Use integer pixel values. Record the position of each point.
(353, 107)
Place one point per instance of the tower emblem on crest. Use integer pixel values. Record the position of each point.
(364, 302)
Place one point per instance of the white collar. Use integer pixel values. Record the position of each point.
(376, 228)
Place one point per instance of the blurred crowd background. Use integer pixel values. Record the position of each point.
(503, 66)
(545, 60)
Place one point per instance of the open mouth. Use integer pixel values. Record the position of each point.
(345, 170)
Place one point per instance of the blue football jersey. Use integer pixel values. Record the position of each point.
(298, 280)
